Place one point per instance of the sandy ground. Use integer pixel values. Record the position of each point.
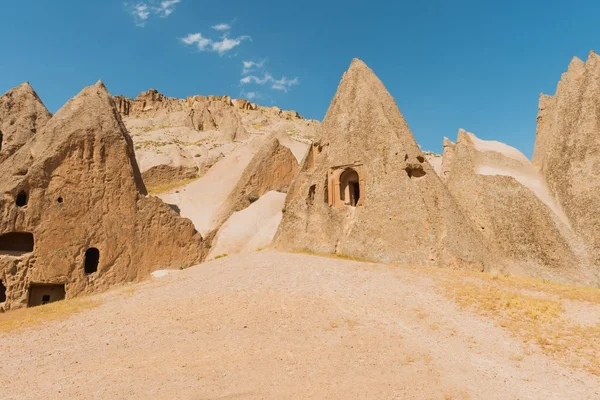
(273, 325)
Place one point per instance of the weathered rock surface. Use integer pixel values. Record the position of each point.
(22, 115)
(83, 191)
(273, 168)
(509, 201)
(250, 229)
(567, 148)
(366, 190)
(174, 135)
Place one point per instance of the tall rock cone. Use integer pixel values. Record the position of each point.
(22, 115)
(366, 190)
(74, 217)
(567, 148)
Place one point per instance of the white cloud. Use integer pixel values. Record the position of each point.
(166, 8)
(198, 39)
(250, 66)
(283, 84)
(221, 27)
(219, 46)
(227, 44)
(251, 95)
(142, 11)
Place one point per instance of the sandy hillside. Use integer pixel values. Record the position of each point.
(273, 325)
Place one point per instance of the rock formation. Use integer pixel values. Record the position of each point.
(567, 148)
(176, 139)
(22, 115)
(510, 203)
(74, 215)
(366, 190)
(250, 229)
(272, 169)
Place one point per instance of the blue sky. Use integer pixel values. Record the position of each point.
(477, 65)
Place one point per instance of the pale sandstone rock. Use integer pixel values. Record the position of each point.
(250, 229)
(404, 212)
(84, 190)
(567, 148)
(510, 203)
(22, 115)
(272, 169)
(173, 137)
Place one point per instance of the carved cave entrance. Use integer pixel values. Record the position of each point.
(2, 292)
(92, 258)
(349, 187)
(16, 243)
(40, 294)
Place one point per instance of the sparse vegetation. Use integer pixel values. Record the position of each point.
(167, 187)
(221, 256)
(532, 310)
(35, 316)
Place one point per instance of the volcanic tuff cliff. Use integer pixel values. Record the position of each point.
(508, 200)
(176, 139)
(74, 212)
(567, 148)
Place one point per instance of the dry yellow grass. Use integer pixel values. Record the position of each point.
(158, 189)
(532, 310)
(35, 316)
(337, 256)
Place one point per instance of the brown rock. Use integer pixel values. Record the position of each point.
(76, 192)
(366, 189)
(22, 115)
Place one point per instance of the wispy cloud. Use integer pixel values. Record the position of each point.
(283, 84)
(166, 8)
(251, 66)
(142, 11)
(220, 46)
(221, 27)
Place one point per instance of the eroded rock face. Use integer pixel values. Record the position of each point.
(176, 138)
(273, 168)
(567, 148)
(76, 188)
(513, 208)
(366, 189)
(22, 115)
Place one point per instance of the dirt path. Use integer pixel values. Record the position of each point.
(275, 325)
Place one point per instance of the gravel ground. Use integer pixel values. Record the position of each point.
(272, 326)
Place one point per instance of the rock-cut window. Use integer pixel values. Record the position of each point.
(92, 259)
